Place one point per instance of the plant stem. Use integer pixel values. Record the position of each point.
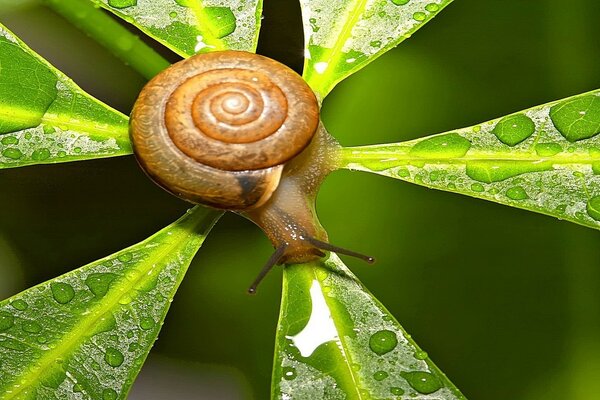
(109, 33)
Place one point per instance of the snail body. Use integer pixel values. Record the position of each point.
(240, 132)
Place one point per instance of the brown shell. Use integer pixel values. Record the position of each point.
(217, 128)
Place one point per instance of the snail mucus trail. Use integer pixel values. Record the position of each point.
(240, 132)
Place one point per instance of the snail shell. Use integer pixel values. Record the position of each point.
(218, 128)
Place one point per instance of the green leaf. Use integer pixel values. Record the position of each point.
(336, 341)
(111, 34)
(46, 118)
(545, 159)
(194, 26)
(344, 36)
(87, 333)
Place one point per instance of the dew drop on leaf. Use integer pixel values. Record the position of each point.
(577, 118)
(492, 171)
(548, 149)
(147, 323)
(450, 145)
(6, 321)
(397, 391)
(477, 187)
(62, 292)
(106, 323)
(400, 2)
(432, 7)
(9, 140)
(380, 375)
(593, 208)
(422, 382)
(20, 305)
(31, 327)
(99, 283)
(421, 355)
(122, 3)
(40, 154)
(113, 357)
(289, 373)
(419, 16)
(514, 129)
(517, 193)
(383, 342)
(222, 21)
(13, 154)
(109, 394)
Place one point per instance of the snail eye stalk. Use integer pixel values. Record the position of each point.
(271, 262)
(279, 252)
(339, 250)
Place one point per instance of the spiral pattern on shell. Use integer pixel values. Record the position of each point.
(217, 128)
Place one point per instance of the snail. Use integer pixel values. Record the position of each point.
(240, 132)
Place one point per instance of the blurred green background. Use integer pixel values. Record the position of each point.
(506, 302)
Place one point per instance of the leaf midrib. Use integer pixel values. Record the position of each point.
(390, 157)
(60, 120)
(74, 338)
(345, 355)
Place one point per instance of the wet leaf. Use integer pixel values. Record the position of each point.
(192, 26)
(545, 159)
(336, 341)
(87, 333)
(46, 118)
(343, 36)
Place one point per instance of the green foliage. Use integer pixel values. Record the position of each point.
(46, 118)
(545, 159)
(336, 341)
(344, 36)
(87, 333)
(188, 27)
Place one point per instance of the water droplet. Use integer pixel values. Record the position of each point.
(422, 382)
(125, 257)
(62, 292)
(20, 305)
(109, 394)
(122, 3)
(383, 342)
(113, 357)
(419, 16)
(222, 21)
(42, 339)
(477, 187)
(548, 149)
(6, 320)
(495, 171)
(421, 355)
(147, 323)
(593, 209)
(517, 193)
(40, 154)
(9, 140)
(99, 283)
(125, 299)
(289, 373)
(31, 327)
(13, 154)
(432, 7)
(397, 391)
(48, 129)
(380, 375)
(133, 347)
(375, 43)
(450, 145)
(173, 14)
(577, 118)
(77, 388)
(106, 323)
(513, 129)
